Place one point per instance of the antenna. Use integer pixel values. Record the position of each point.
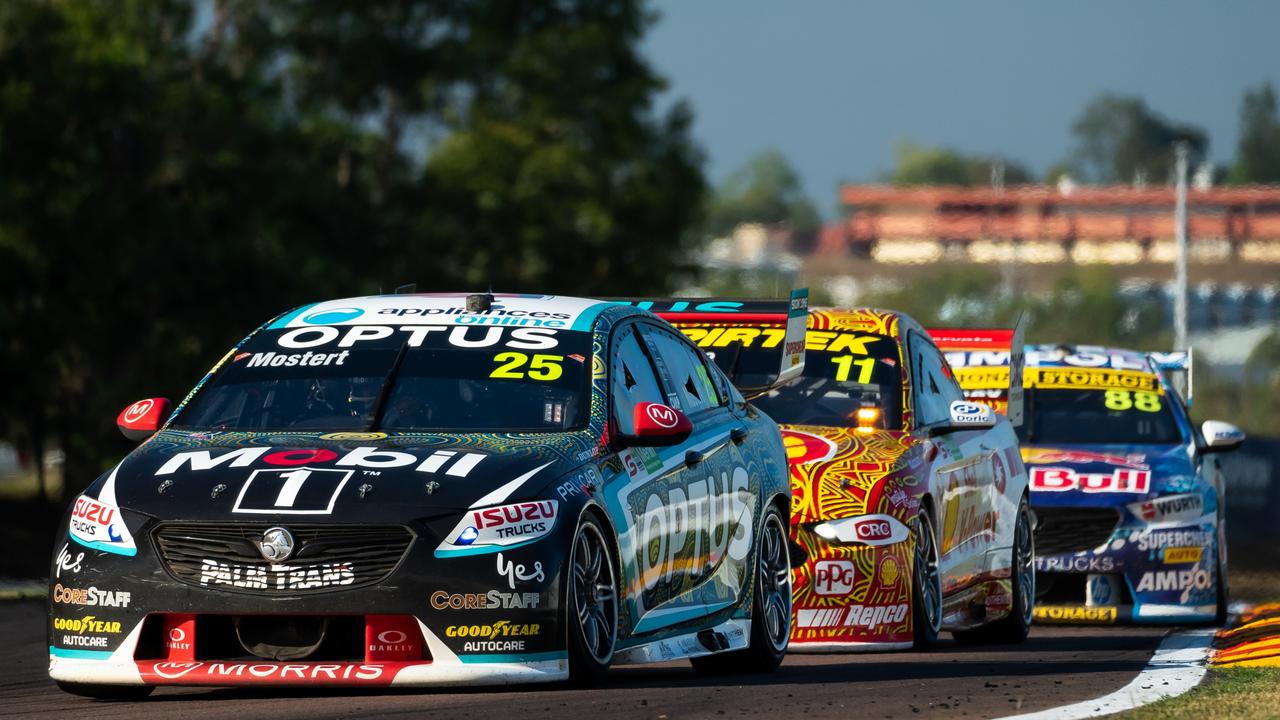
(406, 288)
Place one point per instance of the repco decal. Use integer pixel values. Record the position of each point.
(450, 462)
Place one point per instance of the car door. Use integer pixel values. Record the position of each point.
(962, 470)
(699, 512)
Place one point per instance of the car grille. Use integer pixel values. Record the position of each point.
(325, 558)
(1068, 530)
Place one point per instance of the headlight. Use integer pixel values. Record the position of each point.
(864, 529)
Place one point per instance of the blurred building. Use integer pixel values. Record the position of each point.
(1034, 224)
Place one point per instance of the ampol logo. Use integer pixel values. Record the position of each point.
(332, 316)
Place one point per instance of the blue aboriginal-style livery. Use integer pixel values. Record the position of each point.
(431, 490)
(1127, 492)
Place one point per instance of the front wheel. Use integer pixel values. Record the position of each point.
(592, 606)
(1013, 628)
(770, 608)
(926, 584)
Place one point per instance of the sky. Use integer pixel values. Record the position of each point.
(835, 84)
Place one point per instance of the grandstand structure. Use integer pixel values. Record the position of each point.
(1044, 224)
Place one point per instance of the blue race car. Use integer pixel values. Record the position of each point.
(1127, 492)
(448, 489)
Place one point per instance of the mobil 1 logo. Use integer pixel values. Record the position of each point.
(291, 491)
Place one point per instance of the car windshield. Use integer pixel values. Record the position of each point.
(412, 378)
(843, 373)
(1097, 416)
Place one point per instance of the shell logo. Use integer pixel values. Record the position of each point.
(804, 448)
(889, 572)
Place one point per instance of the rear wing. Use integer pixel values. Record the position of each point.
(1176, 367)
(759, 344)
(988, 363)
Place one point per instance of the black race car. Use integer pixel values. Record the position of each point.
(434, 490)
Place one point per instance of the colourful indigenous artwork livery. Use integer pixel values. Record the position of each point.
(907, 500)
(1127, 492)
(432, 490)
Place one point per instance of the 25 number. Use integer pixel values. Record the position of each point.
(1125, 400)
(845, 363)
(511, 366)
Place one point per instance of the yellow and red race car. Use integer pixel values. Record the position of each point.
(908, 501)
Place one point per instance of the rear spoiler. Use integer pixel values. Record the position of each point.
(979, 356)
(1176, 367)
(729, 326)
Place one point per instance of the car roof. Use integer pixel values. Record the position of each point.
(866, 319)
(514, 310)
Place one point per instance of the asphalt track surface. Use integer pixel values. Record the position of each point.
(1055, 666)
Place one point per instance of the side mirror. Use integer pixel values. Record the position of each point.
(966, 415)
(658, 425)
(1221, 436)
(142, 419)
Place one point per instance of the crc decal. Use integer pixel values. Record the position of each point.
(100, 526)
(492, 600)
(503, 526)
(300, 491)
(450, 462)
(276, 577)
(90, 597)
(1119, 480)
(864, 616)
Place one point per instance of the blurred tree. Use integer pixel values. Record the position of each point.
(1121, 140)
(1258, 154)
(166, 184)
(916, 165)
(766, 189)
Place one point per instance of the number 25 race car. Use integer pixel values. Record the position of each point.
(909, 502)
(433, 490)
(1127, 492)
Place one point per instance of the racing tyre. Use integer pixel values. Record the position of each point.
(592, 603)
(106, 692)
(1013, 628)
(1220, 617)
(770, 607)
(926, 584)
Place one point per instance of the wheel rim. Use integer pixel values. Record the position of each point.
(594, 594)
(1025, 560)
(774, 582)
(926, 572)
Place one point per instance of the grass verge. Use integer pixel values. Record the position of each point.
(1226, 694)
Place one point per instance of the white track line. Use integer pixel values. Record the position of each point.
(1177, 666)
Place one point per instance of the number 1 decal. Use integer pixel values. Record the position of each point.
(300, 491)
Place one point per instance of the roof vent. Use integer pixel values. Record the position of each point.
(479, 303)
